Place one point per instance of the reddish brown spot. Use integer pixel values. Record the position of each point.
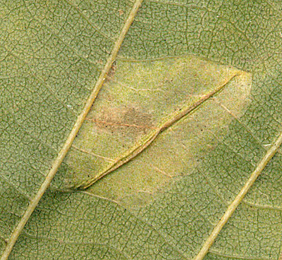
(112, 71)
(123, 120)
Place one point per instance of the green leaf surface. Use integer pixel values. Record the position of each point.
(178, 108)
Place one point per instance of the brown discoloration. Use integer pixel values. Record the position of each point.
(121, 12)
(123, 120)
(138, 118)
(112, 71)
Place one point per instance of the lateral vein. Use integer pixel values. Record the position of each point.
(61, 155)
(148, 139)
(238, 199)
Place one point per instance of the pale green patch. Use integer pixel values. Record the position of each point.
(138, 99)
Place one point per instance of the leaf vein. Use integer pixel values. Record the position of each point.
(233, 206)
(57, 162)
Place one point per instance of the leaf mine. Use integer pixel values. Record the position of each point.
(144, 112)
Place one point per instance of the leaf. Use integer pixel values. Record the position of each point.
(180, 149)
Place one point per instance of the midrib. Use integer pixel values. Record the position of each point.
(147, 140)
(57, 162)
